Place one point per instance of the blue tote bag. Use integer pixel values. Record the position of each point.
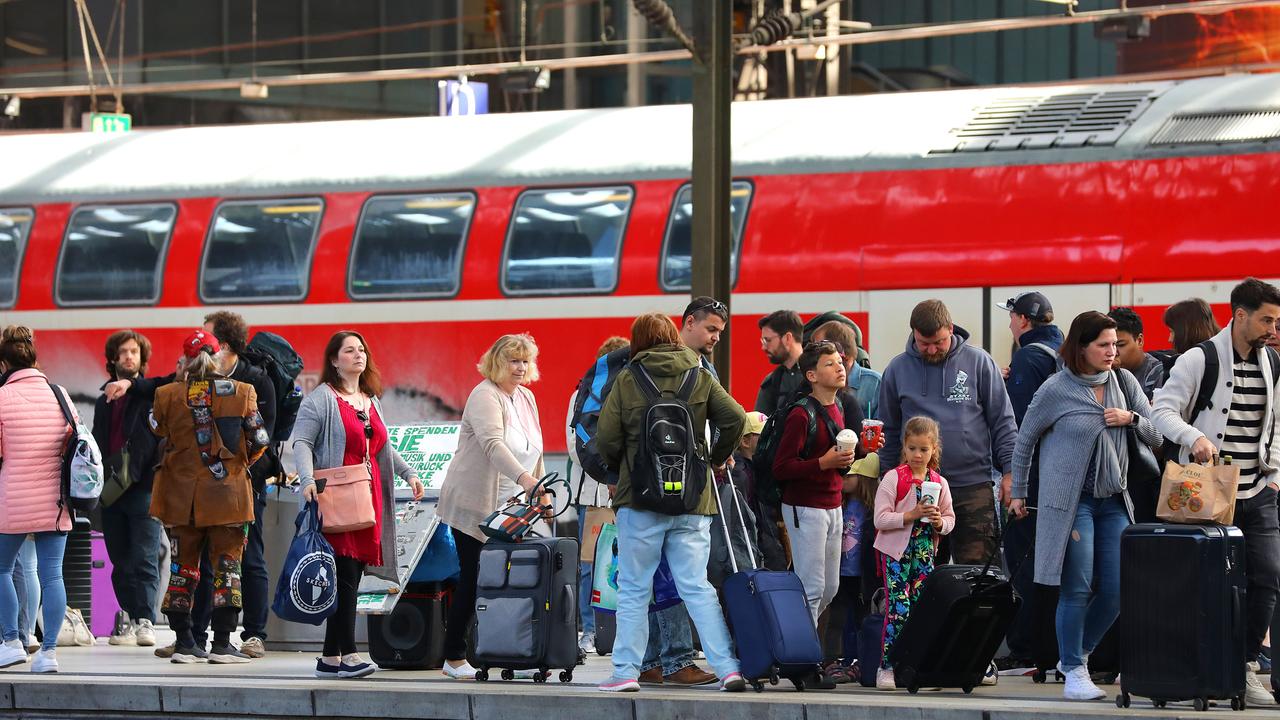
(307, 591)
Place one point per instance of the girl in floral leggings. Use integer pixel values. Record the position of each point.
(910, 518)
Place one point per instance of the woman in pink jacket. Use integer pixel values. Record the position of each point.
(33, 434)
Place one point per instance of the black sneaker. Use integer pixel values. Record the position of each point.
(1010, 665)
(226, 655)
(325, 670)
(188, 655)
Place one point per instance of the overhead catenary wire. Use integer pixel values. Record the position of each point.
(909, 32)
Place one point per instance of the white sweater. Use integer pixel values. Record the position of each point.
(1173, 404)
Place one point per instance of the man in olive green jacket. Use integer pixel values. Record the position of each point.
(642, 535)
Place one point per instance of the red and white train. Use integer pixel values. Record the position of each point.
(435, 235)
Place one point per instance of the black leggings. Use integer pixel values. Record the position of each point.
(462, 607)
(340, 628)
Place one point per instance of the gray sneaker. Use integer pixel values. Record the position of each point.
(253, 647)
(227, 655)
(123, 632)
(188, 655)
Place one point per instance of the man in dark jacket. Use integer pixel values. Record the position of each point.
(1031, 322)
(131, 535)
(780, 333)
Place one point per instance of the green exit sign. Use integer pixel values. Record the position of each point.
(106, 122)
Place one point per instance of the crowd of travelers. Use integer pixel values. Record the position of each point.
(860, 482)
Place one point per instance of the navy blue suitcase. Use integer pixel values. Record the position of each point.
(870, 645)
(1182, 595)
(770, 621)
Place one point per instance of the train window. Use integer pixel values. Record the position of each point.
(410, 245)
(566, 241)
(14, 225)
(260, 250)
(677, 258)
(114, 255)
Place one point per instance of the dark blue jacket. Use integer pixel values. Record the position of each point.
(1031, 366)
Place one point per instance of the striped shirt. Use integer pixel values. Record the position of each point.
(1242, 437)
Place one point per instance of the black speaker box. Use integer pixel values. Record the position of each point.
(412, 636)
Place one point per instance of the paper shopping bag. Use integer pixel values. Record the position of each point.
(1198, 494)
(595, 520)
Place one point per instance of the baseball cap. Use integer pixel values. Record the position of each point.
(198, 341)
(755, 423)
(1032, 304)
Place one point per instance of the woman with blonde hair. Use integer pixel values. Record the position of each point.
(499, 455)
(202, 493)
(341, 423)
(34, 434)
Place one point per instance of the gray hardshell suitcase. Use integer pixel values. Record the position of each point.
(527, 608)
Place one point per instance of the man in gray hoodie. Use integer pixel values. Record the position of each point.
(960, 386)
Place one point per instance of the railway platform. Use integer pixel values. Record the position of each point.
(106, 683)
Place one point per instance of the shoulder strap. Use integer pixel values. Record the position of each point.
(645, 382)
(1274, 359)
(1053, 354)
(811, 429)
(62, 403)
(904, 482)
(1204, 396)
(688, 384)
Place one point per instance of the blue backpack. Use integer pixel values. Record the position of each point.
(592, 390)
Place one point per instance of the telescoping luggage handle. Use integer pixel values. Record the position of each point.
(724, 525)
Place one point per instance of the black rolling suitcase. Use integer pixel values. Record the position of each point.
(956, 625)
(527, 608)
(1182, 594)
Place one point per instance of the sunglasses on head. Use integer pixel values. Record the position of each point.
(714, 306)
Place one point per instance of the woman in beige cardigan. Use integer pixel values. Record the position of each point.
(499, 454)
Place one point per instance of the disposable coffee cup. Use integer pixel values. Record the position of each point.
(846, 441)
(872, 434)
(930, 492)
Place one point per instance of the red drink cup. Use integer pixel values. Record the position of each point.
(872, 435)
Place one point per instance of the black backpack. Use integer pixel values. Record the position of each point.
(768, 487)
(592, 390)
(282, 364)
(1204, 396)
(668, 474)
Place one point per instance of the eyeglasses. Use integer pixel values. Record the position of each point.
(363, 417)
(714, 306)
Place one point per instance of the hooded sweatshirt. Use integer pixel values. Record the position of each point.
(1031, 366)
(621, 418)
(965, 394)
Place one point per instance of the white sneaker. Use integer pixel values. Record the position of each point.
(1078, 685)
(587, 643)
(123, 633)
(992, 676)
(885, 679)
(44, 661)
(462, 672)
(1254, 694)
(12, 653)
(144, 633)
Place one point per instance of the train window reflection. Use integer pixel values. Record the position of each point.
(260, 250)
(410, 245)
(566, 241)
(14, 225)
(114, 255)
(677, 258)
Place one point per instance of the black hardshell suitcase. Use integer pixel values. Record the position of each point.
(1182, 594)
(527, 608)
(955, 627)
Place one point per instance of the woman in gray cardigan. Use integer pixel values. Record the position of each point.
(341, 423)
(1083, 503)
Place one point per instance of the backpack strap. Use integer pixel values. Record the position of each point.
(905, 481)
(1204, 396)
(595, 394)
(1053, 354)
(58, 393)
(647, 386)
(688, 384)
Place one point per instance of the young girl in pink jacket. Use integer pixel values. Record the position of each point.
(909, 528)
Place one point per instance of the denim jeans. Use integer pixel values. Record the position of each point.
(642, 538)
(586, 613)
(670, 644)
(27, 583)
(1089, 598)
(132, 538)
(49, 549)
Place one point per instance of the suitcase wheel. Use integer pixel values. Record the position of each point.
(1200, 704)
(1123, 700)
(757, 685)
(566, 676)
(913, 689)
(541, 677)
(1237, 703)
(1158, 703)
(968, 689)
(482, 675)
(1038, 677)
(773, 677)
(508, 674)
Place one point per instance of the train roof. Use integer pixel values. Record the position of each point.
(950, 128)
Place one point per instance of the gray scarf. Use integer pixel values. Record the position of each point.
(1111, 447)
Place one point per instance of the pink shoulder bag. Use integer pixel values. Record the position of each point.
(345, 494)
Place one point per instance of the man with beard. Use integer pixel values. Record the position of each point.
(780, 334)
(1238, 421)
(700, 327)
(941, 376)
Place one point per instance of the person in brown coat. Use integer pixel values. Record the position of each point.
(202, 492)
